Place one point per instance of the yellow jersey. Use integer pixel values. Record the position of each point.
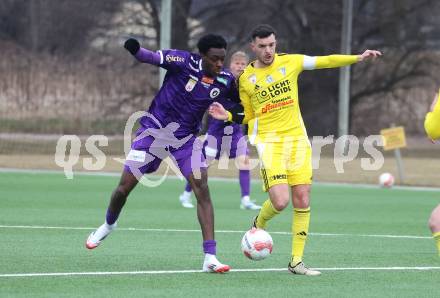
(432, 121)
(269, 95)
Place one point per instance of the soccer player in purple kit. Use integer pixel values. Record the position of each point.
(191, 84)
(234, 145)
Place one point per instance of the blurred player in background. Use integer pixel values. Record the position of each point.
(268, 91)
(237, 147)
(432, 127)
(169, 129)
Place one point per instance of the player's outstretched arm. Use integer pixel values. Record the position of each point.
(332, 61)
(141, 54)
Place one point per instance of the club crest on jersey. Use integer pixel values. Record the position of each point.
(214, 92)
(253, 79)
(190, 84)
(282, 70)
(269, 79)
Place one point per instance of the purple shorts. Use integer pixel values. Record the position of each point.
(148, 152)
(233, 145)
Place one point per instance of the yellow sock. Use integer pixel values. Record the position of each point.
(266, 213)
(436, 236)
(300, 229)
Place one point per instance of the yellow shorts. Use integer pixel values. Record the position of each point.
(285, 163)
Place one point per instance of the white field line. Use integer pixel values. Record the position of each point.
(117, 174)
(217, 231)
(153, 272)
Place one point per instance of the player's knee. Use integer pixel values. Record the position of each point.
(126, 185)
(301, 198)
(121, 192)
(434, 219)
(200, 188)
(434, 223)
(124, 189)
(431, 223)
(281, 203)
(199, 184)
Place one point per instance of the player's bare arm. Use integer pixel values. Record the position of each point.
(369, 54)
(235, 114)
(217, 111)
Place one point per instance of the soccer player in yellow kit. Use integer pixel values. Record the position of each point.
(269, 95)
(432, 127)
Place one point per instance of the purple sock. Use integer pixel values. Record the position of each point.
(187, 187)
(111, 217)
(209, 247)
(245, 182)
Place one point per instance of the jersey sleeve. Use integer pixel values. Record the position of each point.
(432, 121)
(245, 100)
(173, 60)
(331, 61)
(146, 56)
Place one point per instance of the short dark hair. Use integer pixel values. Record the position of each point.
(262, 31)
(211, 41)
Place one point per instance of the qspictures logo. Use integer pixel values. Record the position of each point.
(161, 145)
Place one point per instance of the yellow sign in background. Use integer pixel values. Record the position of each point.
(393, 138)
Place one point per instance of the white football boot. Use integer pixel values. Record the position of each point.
(212, 265)
(95, 238)
(301, 269)
(247, 204)
(185, 199)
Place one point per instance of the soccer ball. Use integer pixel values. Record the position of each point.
(256, 244)
(386, 180)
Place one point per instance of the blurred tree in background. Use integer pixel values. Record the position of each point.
(56, 27)
(63, 60)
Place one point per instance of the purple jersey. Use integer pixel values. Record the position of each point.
(229, 138)
(187, 92)
(217, 127)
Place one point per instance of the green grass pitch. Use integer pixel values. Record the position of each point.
(357, 239)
